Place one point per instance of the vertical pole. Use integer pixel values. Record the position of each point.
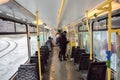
(28, 40)
(43, 35)
(14, 17)
(15, 26)
(82, 39)
(90, 33)
(46, 35)
(38, 40)
(91, 44)
(109, 43)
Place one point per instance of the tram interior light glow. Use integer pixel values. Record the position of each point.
(40, 22)
(4, 1)
(46, 27)
(0, 11)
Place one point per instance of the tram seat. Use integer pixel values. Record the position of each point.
(96, 71)
(43, 51)
(84, 61)
(46, 49)
(77, 55)
(43, 56)
(73, 52)
(27, 72)
(34, 59)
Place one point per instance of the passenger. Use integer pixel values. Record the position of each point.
(58, 43)
(49, 44)
(63, 45)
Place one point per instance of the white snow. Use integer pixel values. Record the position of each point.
(9, 63)
(8, 49)
(3, 44)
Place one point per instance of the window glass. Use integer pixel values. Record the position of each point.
(6, 26)
(100, 46)
(116, 22)
(34, 43)
(20, 28)
(84, 41)
(32, 29)
(13, 53)
(100, 25)
(82, 27)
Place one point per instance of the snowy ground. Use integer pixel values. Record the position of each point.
(9, 63)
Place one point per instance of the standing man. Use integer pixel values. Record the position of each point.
(63, 45)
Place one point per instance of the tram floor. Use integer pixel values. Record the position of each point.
(61, 70)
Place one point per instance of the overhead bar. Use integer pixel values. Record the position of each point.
(60, 13)
(104, 4)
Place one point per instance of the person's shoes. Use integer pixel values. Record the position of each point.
(60, 59)
(65, 59)
(59, 56)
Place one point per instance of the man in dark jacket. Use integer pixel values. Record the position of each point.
(63, 45)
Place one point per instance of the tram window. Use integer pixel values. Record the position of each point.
(100, 44)
(14, 53)
(32, 29)
(84, 41)
(100, 25)
(33, 43)
(20, 28)
(82, 27)
(6, 26)
(116, 22)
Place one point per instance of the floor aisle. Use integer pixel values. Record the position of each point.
(62, 70)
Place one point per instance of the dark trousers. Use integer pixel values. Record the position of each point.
(62, 53)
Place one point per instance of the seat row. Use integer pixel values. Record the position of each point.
(90, 69)
(31, 71)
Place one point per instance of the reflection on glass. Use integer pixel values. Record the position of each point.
(96, 25)
(100, 47)
(99, 25)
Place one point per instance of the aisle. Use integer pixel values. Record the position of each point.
(62, 70)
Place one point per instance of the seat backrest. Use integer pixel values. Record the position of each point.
(73, 51)
(84, 62)
(97, 71)
(34, 59)
(27, 72)
(81, 51)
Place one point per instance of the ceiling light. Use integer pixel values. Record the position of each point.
(3, 1)
(40, 22)
(46, 27)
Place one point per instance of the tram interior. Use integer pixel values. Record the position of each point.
(93, 31)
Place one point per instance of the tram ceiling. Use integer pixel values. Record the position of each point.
(49, 9)
(15, 10)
